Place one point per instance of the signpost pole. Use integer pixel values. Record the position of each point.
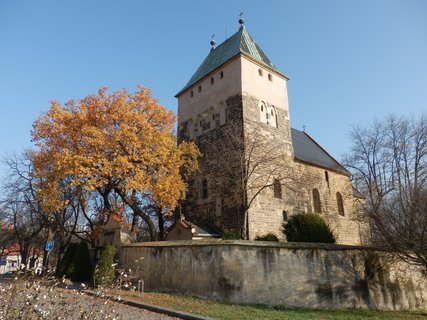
(50, 244)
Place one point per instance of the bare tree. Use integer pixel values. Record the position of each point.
(7, 236)
(20, 207)
(389, 164)
(242, 164)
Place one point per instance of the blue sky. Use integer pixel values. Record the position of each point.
(349, 62)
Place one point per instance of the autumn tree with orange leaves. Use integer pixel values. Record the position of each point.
(119, 143)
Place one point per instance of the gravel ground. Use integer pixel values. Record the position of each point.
(30, 300)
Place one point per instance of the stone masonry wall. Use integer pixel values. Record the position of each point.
(218, 208)
(267, 214)
(310, 276)
(347, 228)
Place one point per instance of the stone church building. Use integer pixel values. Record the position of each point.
(235, 107)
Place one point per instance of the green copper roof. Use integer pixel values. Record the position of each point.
(240, 42)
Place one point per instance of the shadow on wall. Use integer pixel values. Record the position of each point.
(296, 275)
(379, 282)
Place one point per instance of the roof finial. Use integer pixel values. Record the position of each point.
(213, 42)
(241, 20)
(303, 127)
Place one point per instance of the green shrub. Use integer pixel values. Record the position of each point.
(64, 264)
(308, 227)
(231, 235)
(105, 271)
(80, 268)
(268, 237)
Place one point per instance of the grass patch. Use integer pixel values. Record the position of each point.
(226, 311)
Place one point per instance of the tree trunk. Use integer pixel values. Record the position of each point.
(135, 222)
(244, 212)
(24, 257)
(137, 210)
(104, 194)
(161, 235)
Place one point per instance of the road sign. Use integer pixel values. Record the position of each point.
(49, 245)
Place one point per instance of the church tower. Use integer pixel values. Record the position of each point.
(256, 170)
(236, 88)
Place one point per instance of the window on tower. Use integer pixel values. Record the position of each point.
(262, 112)
(277, 187)
(205, 124)
(267, 114)
(217, 119)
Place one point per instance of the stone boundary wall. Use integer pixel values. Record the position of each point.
(297, 275)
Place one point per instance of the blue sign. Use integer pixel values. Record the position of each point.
(3, 262)
(49, 245)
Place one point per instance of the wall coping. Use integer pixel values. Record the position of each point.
(247, 243)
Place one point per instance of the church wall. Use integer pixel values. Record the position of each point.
(345, 227)
(267, 213)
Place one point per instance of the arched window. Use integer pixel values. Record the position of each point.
(317, 206)
(285, 215)
(267, 114)
(340, 204)
(205, 189)
(221, 74)
(263, 112)
(260, 72)
(277, 189)
(273, 118)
